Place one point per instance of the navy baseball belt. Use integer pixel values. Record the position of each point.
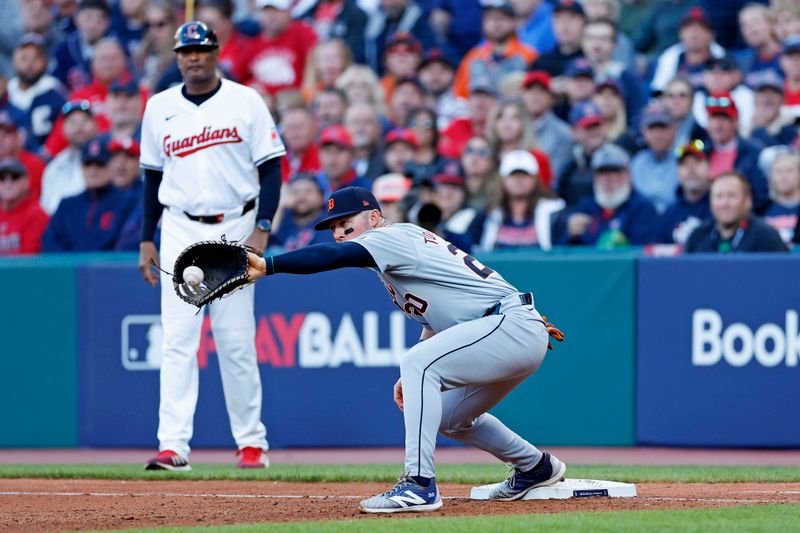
(216, 219)
(525, 298)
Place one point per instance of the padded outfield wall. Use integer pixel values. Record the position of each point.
(81, 336)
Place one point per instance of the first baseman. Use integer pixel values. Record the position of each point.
(211, 157)
(480, 338)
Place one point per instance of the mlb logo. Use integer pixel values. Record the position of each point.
(141, 342)
(276, 140)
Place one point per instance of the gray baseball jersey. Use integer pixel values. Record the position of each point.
(474, 360)
(432, 281)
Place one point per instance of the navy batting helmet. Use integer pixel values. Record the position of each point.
(195, 33)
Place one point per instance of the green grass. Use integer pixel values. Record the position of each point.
(472, 473)
(749, 518)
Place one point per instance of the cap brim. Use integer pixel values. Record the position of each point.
(325, 222)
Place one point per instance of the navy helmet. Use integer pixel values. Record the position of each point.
(195, 33)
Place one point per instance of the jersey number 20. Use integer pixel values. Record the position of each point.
(472, 263)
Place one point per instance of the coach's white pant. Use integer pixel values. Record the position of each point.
(233, 325)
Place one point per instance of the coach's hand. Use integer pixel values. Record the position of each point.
(258, 241)
(148, 255)
(398, 394)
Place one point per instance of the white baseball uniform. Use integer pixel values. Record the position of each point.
(208, 154)
(489, 338)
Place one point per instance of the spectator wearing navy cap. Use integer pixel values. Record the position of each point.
(722, 75)
(522, 218)
(729, 151)
(691, 206)
(394, 16)
(63, 176)
(579, 86)
(615, 215)
(73, 56)
(92, 220)
(589, 130)
(764, 49)
(772, 124)
(688, 57)
(499, 54)
(39, 95)
(654, 169)
(399, 147)
(436, 73)
(336, 156)
(790, 63)
(11, 146)
(569, 20)
(553, 135)
(22, 220)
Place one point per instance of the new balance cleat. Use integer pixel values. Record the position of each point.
(252, 457)
(168, 460)
(548, 472)
(406, 496)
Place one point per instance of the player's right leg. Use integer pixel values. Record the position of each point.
(179, 375)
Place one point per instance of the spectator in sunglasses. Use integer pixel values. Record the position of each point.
(678, 97)
(729, 151)
(426, 161)
(480, 174)
(722, 75)
(63, 176)
(691, 206)
(22, 220)
(155, 56)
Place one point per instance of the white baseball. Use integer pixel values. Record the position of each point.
(193, 275)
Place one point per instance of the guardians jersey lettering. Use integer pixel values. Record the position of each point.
(441, 286)
(195, 143)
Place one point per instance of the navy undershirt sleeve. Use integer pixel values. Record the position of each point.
(269, 175)
(320, 258)
(151, 208)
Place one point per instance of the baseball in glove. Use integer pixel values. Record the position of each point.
(224, 270)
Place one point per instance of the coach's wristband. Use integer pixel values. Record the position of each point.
(269, 263)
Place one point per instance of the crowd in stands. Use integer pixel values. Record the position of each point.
(499, 124)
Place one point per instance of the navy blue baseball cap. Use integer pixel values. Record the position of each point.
(95, 151)
(346, 202)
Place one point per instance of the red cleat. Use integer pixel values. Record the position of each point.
(168, 460)
(252, 457)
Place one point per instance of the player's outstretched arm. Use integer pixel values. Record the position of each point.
(310, 260)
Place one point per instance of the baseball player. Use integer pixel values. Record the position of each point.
(480, 338)
(210, 153)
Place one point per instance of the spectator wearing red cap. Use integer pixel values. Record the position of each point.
(722, 75)
(300, 211)
(524, 211)
(553, 135)
(691, 206)
(63, 175)
(687, 57)
(403, 57)
(32, 90)
(336, 155)
(399, 146)
(482, 97)
(338, 20)
(281, 50)
(729, 151)
(298, 132)
(391, 17)
(22, 220)
(589, 130)
(11, 146)
(436, 73)
(500, 54)
(509, 128)
(123, 165)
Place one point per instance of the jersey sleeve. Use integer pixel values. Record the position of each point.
(392, 250)
(151, 155)
(265, 141)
